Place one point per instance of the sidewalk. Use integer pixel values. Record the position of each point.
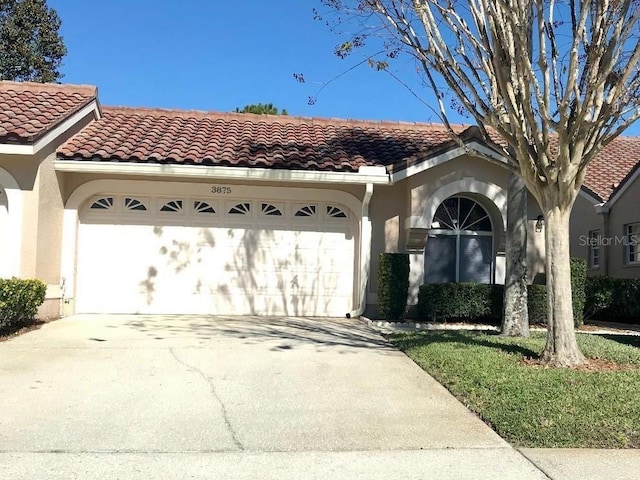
(585, 464)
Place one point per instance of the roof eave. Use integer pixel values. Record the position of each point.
(447, 155)
(590, 195)
(631, 177)
(365, 175)
(51, 134)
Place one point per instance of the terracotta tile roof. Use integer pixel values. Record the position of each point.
(29, 110)
(297, 143)
(612, 166)
(233, 139)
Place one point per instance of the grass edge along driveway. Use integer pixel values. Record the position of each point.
(533, 406)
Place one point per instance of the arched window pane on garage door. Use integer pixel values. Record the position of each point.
(459, 245)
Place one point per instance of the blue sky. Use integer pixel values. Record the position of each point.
(219, 55)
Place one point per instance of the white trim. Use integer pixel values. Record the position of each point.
(95, 187)
(445, 157)
(589, 196)
(34, 148)
(68, 254)
(493, 192)
(628, 231)
(11, 149)
(218, 172)
(593, 237)
(365, 252)
(10, 258)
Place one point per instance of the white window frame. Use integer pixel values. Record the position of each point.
(594, 249)
(632, 243)
(458, 233)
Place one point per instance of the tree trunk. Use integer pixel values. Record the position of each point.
(562, 347)
(515, 315)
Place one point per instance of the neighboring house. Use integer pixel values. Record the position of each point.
(123, 210)
(34, 121)
(606, 219)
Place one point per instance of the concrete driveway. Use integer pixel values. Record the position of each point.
(214, 397)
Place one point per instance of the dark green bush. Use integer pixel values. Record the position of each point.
(393, 285)
(613, 299)
(537, 303)
(459, 301)
(578, 280)
(482, 302)
(627, 299)
(600, 294)
(19, 300)
(537, 295)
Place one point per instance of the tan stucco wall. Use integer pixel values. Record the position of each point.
(583, 220)
(535, 243)
(423, 185)
(42, 223)
(21, 167)
(42, 214)
(388, 212)
(49, 223)
(42, 234)
(625, 210)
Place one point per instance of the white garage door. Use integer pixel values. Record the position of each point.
(189, 255)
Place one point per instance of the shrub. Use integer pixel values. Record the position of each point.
(537, 295)
(613, 299)
(627, 299)
(393, 285)
(599, 292)
(19, 300)
(476, 301)
(460, 301)
(578, 280)
(537, 303)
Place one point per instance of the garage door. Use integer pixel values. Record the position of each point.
(191, 255)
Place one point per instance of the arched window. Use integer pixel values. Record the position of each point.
(459, 244)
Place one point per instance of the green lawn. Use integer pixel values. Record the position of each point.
(532, 406)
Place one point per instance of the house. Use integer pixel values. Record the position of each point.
(605, 226)
(131, 210)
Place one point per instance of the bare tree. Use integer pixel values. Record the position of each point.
(550, 81)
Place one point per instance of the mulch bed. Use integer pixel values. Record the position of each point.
(592, 365)
(16, 330)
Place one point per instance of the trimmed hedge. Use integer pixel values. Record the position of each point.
(613, 299)
(19, 301)
(476, 301)
(393, 285)
(537, 303)
(459, 301)
(578, 294)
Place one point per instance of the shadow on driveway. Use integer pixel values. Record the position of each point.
(288, 332)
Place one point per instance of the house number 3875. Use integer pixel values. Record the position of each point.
(221, 190)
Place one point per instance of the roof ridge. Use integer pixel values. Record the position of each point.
(90, 90)
(297, 119)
